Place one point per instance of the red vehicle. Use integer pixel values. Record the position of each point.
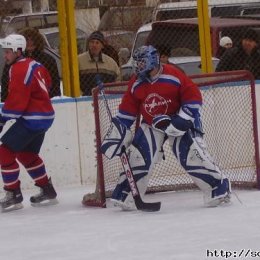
(183, 34)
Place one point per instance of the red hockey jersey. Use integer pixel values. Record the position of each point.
(163, 96)
(28, 95)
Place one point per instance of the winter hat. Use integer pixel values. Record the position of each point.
(97, 35)
(225, 40)
(251, 34)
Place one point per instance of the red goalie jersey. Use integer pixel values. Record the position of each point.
(164, 95)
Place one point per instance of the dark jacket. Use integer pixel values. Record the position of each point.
(47, 61)
(221, 50)
(236, 59)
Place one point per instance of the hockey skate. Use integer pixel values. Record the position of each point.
(219, 195)
(12, 200)
(47, 196)
(122, 199)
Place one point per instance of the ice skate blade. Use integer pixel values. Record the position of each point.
(12, 208)
(45, 203)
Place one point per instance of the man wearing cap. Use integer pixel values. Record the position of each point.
(246, 56)
(93, 62)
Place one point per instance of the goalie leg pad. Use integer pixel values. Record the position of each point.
(144, 152)
(192, 154)
(117, 136)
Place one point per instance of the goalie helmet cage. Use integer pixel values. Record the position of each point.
(230, 125)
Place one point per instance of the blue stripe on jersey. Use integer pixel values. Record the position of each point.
(165, 78)
(126, 118)
(33, 120)
(9, 114)
(38, 124)
(199, 103)
(33, 65)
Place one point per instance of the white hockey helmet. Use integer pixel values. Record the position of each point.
(14, 42)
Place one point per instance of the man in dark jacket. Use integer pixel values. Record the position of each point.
(246, 56)
(35, 50)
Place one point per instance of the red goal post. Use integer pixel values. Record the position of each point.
(230, 126)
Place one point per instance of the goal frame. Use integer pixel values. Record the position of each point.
(202, 80)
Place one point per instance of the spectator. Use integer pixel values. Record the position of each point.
(246, 56)
(165, 54)
(35, 50)
(93, 62)
(224, 44)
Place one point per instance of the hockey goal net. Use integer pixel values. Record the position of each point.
(229, 121)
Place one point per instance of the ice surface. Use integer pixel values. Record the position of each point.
(183, 229)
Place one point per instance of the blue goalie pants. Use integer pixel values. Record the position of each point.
(190, 151)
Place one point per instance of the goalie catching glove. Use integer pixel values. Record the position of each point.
(172, 126)
(117, 137)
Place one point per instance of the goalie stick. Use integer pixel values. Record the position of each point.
(139, 203)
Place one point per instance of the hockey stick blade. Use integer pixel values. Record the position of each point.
(139, 203)
(146, 206)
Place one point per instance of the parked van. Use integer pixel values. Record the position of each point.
(183, 34)
(217, 8)
(11, 24)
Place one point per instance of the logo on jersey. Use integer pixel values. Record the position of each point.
(154, 104)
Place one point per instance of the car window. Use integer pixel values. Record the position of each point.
(15, 25)
(223, 11)
(36, 21)
(174, 14)
(187, 44)
(51, 20)
(11, 24)
(140, 39)
(53, 40)
(253, 10)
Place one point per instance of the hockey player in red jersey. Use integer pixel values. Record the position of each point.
(169, 103)
(27, 103)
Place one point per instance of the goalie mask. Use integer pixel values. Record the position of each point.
(146, 58)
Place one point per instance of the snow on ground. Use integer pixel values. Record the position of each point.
(182, 230)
